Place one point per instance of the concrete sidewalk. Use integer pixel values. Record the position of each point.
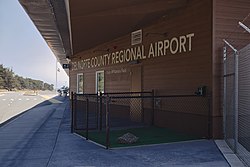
(41, 137)
(30, 138)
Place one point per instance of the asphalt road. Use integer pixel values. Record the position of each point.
(14, 103)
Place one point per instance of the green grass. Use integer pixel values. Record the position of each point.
(147, 135)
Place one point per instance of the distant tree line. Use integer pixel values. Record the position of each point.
(10, 81)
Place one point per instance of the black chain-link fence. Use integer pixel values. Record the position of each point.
(89, 110)
(185, 113)
(106, 113)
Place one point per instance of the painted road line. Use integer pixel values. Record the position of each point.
(27, 99)
(19, 99)
(35, 99)
(11, 99)
(3, 99)
(1, 94)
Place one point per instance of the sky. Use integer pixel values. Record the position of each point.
(23, 49)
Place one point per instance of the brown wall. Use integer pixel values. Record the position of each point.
(226, 15)
(181, 73)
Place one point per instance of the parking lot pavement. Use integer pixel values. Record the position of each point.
(14, 103)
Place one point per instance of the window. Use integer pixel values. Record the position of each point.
(80, 83)
(100, 81)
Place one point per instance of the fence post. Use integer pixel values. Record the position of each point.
(97, 110)
(107, 122)
(236, 93)
(87, 118)
(142, 109)
(75, 111)
(100, 112)
(72, 111)
(225, 91)
(153, 108)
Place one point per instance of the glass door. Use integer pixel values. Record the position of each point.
(80, 83)
(100, 82)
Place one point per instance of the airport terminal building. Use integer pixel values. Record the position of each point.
(173, 47)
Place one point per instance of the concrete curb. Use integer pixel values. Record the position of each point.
(229, 155)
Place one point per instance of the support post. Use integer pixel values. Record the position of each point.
(236, 102)
(225, 92)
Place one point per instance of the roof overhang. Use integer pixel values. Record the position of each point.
(94, 22)
(72, 26)
(50, 18)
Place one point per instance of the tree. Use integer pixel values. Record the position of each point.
(30, 84)
(20, 83)
(10, 81)
(8, 77)
(48, 86)
(1, 83)
(51, 87)
(1, 76)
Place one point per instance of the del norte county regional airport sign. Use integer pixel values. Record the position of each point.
(171, 46)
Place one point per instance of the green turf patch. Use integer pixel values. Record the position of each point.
(147, 135)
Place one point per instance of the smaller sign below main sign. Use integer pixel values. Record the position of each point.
(65, 66)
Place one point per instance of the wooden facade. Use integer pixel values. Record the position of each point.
(171, 74)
